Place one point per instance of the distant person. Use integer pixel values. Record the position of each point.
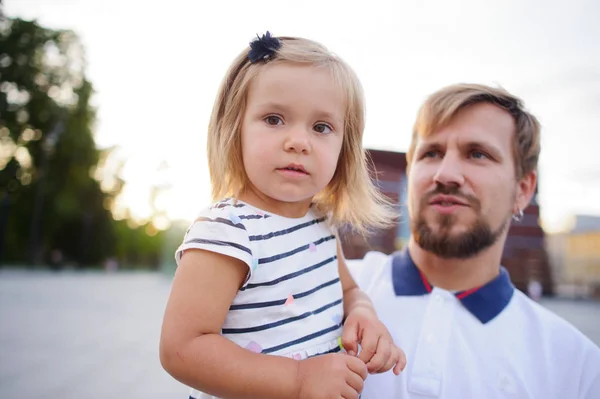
(261, 271)
(56, 259)
(467, 332)
(535, 290)
(111, 265)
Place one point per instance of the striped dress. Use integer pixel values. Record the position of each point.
(291, 302)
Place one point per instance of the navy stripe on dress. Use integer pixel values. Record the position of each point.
(290, 276)
(221, 220)
(293, 251)
(279, 302)
(280, 322)
(225, 204)
(217, 242)
(286, 231)
(302, 339)
(248, 217)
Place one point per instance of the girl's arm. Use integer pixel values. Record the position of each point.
(353, 296)
(362, 326)
(191, 347)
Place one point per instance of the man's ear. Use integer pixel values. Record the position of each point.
(525, 191)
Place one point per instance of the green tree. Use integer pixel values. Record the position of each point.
(49, 198)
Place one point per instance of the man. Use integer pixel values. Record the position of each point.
(467, 332)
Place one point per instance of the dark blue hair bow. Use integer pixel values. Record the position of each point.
(263, 47)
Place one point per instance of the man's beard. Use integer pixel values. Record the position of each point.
(442, 242)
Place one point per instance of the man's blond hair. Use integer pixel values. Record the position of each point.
(441, 107)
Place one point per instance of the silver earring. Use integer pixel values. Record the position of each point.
(517, 217)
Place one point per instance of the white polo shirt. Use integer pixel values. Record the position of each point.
(491, 342)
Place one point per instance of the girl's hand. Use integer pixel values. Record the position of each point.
(335, 375)
(378, 350)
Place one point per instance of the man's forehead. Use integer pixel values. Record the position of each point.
(477, 123)
(483, 116)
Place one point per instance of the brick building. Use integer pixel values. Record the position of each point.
(524, 254)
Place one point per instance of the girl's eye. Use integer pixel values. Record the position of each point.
(273, 120)
(323, 128)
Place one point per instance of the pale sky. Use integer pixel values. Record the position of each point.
(156, 67)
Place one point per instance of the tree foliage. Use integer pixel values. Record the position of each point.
(51, 198)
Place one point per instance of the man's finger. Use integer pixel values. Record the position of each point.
(381, 358)
(368, 346)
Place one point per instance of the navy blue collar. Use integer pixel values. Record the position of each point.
(484, 302)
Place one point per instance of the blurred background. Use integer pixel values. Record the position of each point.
(103, 115)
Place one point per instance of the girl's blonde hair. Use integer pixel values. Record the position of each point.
(351, 197)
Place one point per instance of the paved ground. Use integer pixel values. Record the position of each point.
(93, 335)
(67, 336)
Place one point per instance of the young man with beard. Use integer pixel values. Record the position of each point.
(467, 332)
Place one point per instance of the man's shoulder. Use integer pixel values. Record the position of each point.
(572, 355)
(554, 328)
(370, 269)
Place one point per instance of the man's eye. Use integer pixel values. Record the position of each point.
(478, 155)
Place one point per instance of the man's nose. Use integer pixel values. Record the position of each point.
(450, 171)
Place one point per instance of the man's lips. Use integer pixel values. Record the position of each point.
(447, 200)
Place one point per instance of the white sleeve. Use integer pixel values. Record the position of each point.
(221, 231)
(590, 379)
